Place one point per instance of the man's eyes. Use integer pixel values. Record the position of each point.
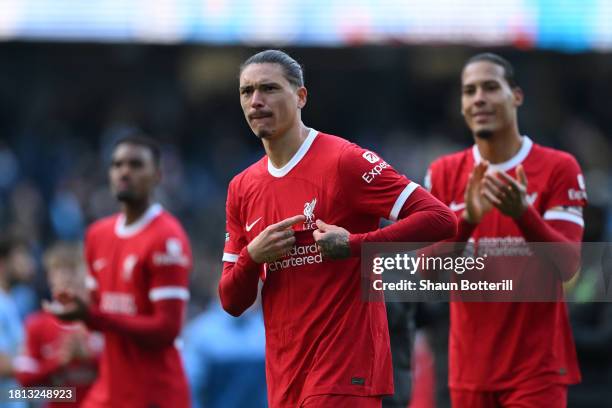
(130, 163)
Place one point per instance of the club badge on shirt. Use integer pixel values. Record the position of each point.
(128, 266)
(309, 208)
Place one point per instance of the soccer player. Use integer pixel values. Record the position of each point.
(138, 262)
(288, 222)
(508, 189)
(57, 353)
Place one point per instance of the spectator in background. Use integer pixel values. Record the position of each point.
(22, 272)
(224, 358)
(11, 331)
(58, 353)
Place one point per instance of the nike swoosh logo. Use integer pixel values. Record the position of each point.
(250, 226)
(532, 197)
(99, 264)
(456, 206)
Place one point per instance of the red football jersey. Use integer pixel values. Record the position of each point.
(131, 267)
(498, 345)
(39, 364)
(321, 338)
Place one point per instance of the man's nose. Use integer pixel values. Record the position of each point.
(123, 170)
(479, 97)
(257, 100)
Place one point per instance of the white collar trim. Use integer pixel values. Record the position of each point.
(126, 231)
(512, 162)
(299, 155)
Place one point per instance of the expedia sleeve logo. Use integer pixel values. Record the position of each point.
(371, 157)
(579, 194)
(427, 180)
(376, 171)
(173, 256)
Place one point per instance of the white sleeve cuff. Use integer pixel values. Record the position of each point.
(401, 199)
(227, 257)
(90, 282)
(564, 216)
(168, 292)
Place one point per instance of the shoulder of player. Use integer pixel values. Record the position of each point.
(167, 225)
(326, 140)
(101, 226)
(37, 319)
(245, 176)
(344, 149)
(451, 160)
(553, 157)
(252, 170)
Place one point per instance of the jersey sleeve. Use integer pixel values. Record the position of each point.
(371, 185)
(240, 277)
(31, 366)
(169, 264)
(432, 180)
(235, 240)
(567, 194)
(91, 277)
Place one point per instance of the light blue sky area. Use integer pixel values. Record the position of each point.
(571, 25)
(566, 24)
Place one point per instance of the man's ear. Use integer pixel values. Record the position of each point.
(302, 94)
(517, 92)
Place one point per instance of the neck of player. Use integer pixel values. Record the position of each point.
(281, 149)
(134, 210)
(499, 147)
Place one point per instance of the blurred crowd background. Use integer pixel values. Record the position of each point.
(64, 103)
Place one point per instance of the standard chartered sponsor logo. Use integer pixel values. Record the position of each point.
(116, 302)
(504, 246)
(299, 255)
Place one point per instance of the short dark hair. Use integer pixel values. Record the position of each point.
(142, 140)
(294, 72)
(498, 60)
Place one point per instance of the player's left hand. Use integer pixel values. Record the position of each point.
(69, 307)
(506, 193)
(332, 240)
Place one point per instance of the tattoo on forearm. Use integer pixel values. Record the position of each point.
(335, 246)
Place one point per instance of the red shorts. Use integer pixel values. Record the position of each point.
(529, 395)
(341, 401)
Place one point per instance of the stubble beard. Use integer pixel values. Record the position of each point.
(484, 134)
(126, 197)
(263, 133)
